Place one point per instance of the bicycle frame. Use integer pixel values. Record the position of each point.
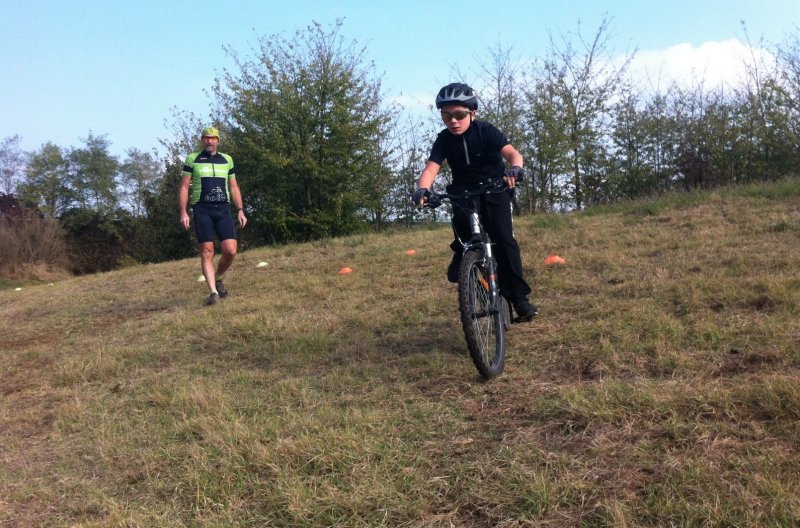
(484, 312)
(480, 241)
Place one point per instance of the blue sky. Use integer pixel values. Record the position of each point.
(116, 68)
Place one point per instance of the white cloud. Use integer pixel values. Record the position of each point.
(711, 63)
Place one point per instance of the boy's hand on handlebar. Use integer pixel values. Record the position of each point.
(513, 176)
(420, 196)
(515, 172)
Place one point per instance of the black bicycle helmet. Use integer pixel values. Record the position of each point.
(457, 93)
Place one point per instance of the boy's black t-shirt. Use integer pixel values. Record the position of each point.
(473, 156)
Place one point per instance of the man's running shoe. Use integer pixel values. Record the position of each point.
(525, 311)
(213, 298)
(223, 292)
(454, 267)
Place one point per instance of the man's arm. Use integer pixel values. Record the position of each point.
(183, 200)
(236, 197)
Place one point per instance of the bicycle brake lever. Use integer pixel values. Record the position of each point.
(434, 201)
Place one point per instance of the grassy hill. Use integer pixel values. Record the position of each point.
(658, 386)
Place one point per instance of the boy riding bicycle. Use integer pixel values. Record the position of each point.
(476, 152)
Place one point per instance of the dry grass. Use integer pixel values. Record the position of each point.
(658, 387)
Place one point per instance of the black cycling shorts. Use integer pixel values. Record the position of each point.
(211, 219)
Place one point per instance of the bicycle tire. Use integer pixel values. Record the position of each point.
(505, 311)
(484, 328)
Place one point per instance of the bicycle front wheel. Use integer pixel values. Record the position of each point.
(481, 316)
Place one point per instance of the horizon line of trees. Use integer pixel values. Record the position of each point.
(320, 152)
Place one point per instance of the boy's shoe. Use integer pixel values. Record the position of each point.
(212, 299)
(454, 267)
(223, 292)
(525, 311)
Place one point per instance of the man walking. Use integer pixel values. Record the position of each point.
(211, 177)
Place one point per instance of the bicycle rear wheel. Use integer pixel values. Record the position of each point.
(481, 319)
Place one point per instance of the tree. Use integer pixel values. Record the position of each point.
(45, 185)
(12, 163)
(660, 132)
(504, 105)
(93, 175)
(548, 161)
(413, 147)
(629, 179)
(304, 122)
(185, 127)
(161, 237)
(138, 174)
(705, 142)
(788, 56)
(643, 136)
(585, 82)
(764, 117)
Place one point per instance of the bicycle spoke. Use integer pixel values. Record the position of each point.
(483, 327)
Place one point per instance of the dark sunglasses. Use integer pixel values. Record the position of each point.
(458, 114)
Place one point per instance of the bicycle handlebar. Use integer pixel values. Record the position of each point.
(492, 186)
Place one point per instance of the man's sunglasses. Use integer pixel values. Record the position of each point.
(458, 114)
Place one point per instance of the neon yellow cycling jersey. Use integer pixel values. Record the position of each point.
(210, 176)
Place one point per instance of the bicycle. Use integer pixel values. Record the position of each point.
(485, 313)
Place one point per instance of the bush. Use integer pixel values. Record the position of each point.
(33, 246)
(96, 241)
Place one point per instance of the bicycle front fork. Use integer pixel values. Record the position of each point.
(481, 239)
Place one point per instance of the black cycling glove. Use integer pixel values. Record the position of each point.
(517, 172)
(419, 194)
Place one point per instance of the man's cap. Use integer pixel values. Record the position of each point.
(210, 131)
